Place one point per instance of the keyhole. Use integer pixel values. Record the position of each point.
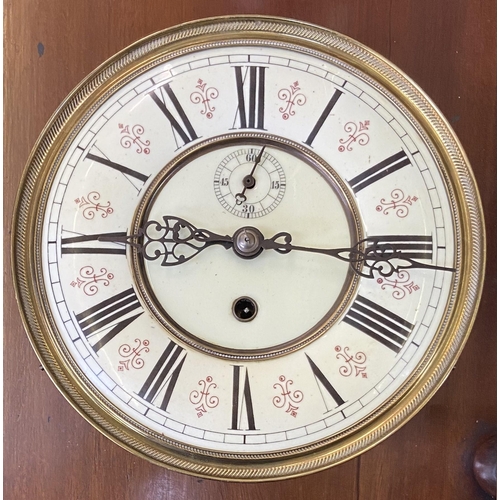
(244, 309)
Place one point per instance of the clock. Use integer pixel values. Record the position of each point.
(248, 248)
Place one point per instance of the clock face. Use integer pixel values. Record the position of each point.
(249, 251)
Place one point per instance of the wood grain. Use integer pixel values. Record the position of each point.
(448, 48)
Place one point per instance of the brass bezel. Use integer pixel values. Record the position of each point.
(75, 110)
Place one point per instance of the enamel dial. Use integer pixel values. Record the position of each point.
(250, 250)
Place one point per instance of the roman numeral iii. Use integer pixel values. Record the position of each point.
(406, 246)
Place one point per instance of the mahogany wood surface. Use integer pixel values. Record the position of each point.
(448, 48)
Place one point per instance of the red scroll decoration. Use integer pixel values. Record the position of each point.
(287, 396)
(133, 355)
(399, 204)
(357, 133)
(131, 136)
(203, 398)
(203, 96)
(89, 279)
(91, 206)
(292, 98)
(402, 285)
(353, 363)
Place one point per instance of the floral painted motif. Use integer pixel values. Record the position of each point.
(91, 206)
(353, 363)
(132, 137)
(203, 96)
(203, 397)
(287, 396)
(398, 204)
(133, 355)
(292, 98)
(356, 134)
(89, 279)
(402, 285)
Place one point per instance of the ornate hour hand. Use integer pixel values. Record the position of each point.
(174, 240)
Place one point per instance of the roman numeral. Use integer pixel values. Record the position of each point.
(110, 317)
(326, 112)
(128, 172)
(164, 375)
(164, 98)
(242, 399)
(72, 245)
(379, 323)
(251, 91)
(321, 379)
(379, 171)
(406, 246)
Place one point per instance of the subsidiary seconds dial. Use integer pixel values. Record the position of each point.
(250, 182)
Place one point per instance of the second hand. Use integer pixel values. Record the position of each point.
(249, 180)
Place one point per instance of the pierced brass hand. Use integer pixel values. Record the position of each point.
(176, 241)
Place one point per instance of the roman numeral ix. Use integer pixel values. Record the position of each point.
(72, 245)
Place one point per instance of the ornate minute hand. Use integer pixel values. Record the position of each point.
(385, 255)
